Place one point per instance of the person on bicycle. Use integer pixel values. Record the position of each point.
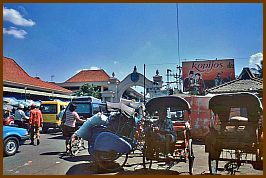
(164, 131)
(69, 127)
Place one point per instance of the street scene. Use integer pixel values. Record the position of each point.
(49, 160)
(132, 89)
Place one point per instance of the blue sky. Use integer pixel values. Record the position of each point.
(61, 39)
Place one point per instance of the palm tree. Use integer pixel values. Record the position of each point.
(259, 70)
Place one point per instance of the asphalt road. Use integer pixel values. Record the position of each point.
(48, 159)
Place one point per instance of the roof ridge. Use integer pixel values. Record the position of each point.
(17, 65)
(82, 77)
(226, 83)
(26, 79)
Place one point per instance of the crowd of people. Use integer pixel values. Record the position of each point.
(163, 128)
(29, 118)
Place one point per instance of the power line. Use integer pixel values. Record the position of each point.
(177, 25)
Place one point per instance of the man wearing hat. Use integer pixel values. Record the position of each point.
(20, 116)
(189, 81)
(35, 122)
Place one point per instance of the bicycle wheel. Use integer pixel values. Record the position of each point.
(110, 161)
(75, 143)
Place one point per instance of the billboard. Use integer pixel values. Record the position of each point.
(200, 75)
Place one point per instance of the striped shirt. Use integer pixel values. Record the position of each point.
(71, 118)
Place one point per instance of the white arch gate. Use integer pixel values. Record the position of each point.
(133, 79)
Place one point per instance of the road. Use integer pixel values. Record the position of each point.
(47, 159)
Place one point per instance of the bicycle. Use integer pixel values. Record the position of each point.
(76, 144)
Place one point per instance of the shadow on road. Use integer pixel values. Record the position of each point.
(91, 168)
(51, 153)
(88, 169)
(61, 137)
(148, 172)
(198, 142)
(76, 158)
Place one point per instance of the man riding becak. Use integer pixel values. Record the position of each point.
(163, 134)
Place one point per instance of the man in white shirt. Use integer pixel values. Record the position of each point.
(20, 116)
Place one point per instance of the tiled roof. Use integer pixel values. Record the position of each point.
(90, 76)
(13, 73)
(248, 85)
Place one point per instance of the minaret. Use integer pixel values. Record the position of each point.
(158, 80)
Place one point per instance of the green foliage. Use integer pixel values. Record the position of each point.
(259, 69)
(89, 90)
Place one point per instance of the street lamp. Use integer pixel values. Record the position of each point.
(25, 93)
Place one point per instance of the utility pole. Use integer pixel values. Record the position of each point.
(167, 76)
(144, 92)
(179, 68)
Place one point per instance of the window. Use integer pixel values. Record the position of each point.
(49, 108)
(83, 108)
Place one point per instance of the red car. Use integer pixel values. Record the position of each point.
(8, 120)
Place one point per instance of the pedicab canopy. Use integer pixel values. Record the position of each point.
(221, 105)
(173, 102)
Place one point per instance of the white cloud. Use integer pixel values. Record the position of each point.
(255, 59)
(115, 62)
(91, 68)
(16, 18)
(20, 34)
(94, 68)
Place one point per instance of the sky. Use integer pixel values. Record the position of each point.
(61, 39)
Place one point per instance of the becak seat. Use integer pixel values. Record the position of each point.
(238, 119)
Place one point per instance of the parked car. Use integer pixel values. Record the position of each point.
(13, 137)
(8, 120)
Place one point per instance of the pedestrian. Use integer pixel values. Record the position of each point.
(69, 127)
(20, 116)
(35, 122)
(60, 115)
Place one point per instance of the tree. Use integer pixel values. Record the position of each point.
(258, 71)
(89, 90)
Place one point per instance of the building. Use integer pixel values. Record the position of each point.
(101, 80)
(97, 78)
(246, 82)
(17, 83)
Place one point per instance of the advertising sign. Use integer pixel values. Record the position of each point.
(200, 75)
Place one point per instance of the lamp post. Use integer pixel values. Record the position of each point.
(25, 94)
(116, 87)
(144, 93)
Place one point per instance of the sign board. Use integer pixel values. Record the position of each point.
(200, 116)
(200, 75)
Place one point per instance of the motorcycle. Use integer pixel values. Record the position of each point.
(109, 139)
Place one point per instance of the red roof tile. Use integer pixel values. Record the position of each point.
(13, 73)
(90, 76)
